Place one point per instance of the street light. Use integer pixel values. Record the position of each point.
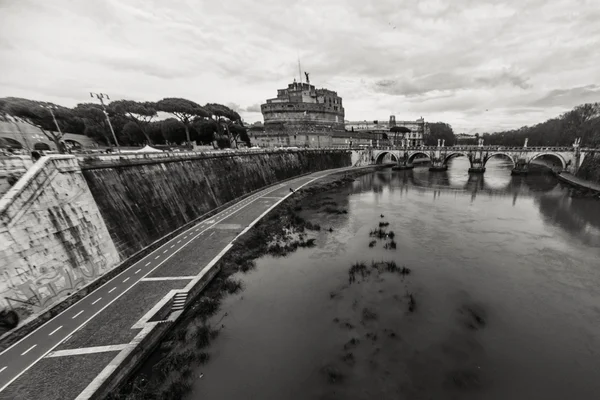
(51, 107)
(101, 97)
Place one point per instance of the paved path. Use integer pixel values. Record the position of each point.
(92, 325)
(565, 176)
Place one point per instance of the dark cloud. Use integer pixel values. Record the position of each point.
(447, 81)
(569, 97)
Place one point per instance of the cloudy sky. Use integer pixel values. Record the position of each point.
(480, 65)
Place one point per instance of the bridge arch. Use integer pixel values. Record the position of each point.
(499, 153)
(381, 156)
(559, 157)
(454, 155)
(412, 155)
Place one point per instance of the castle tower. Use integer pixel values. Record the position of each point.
(392, 120)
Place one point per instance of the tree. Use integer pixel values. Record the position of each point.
(94, 118)
(398, 129)
(132, 134)
(239, 132)
(174, 130)
(184, 110)
(206, 129)
(442, 131)
(140, 113)
(224, 117)
(43, 115)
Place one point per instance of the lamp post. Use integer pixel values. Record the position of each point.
(101, 97)
(51, 107)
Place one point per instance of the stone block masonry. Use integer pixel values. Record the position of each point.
(53, 239)
(142, 200)
(68, 221)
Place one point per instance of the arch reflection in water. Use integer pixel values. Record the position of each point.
(497, 181)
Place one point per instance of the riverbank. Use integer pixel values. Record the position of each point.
(168, 373)
(583, 188)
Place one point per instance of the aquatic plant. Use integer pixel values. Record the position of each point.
(368, 314)
(412, 304)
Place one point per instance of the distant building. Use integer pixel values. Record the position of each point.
(419, 129)
(463, 138)
(303, 116)
(302, 108)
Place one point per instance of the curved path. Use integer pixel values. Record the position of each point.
(62, 358)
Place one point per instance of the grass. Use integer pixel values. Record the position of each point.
(390, 246)
(378, 233)
(368, 314)
(412, 303)
(333, 210)
(359, 268)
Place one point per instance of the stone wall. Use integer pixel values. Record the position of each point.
(53, 239)
(142, 200)
(590, 168)
(12, 167)
(306, 140)
(68, 220)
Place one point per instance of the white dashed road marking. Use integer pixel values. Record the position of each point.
(157, 257)
(77, 315)
(2, 369)
(126, 279)
(138, 271)
(54, 331)
(148, 263)
(179, 241)
(174, 245)
(28, 350)
(110, 291)
(165, 251)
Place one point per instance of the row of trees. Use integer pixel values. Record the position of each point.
(134, 122)
(581, 122)
(442, 131)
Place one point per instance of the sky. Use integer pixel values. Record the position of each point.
(479, 65)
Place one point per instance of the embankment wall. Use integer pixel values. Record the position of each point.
(590, 168)
(53, 239)
(143, 200)
(68, 221)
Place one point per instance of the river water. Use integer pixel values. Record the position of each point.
(505, 277)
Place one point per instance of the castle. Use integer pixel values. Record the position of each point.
(303, 116)
(302, 108)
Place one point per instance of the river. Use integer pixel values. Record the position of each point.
(505, 278)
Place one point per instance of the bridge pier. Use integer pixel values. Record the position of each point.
(403, 163)
(477, 160)
(521, 167)
(438, 165)
(438, 159)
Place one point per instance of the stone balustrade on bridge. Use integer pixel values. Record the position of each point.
(563, 158)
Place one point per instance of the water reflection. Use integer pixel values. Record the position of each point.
(518, 249)
(577, 216)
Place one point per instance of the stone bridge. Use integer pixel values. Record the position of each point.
(562, 158)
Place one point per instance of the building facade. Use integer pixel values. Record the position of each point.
(419, 129)
(303, 109)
